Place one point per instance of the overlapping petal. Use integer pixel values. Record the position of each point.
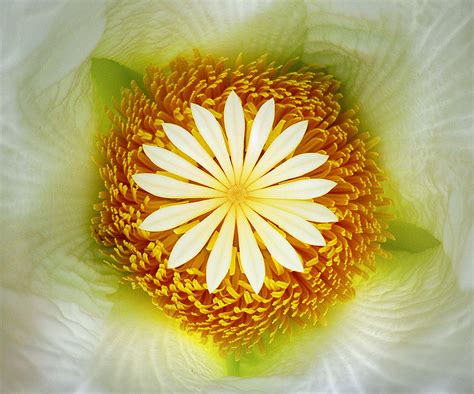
(404, 64)
(237, 174)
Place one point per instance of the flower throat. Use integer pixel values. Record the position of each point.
(332, 185)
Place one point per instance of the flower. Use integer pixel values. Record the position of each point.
(238, 192)
(67, 324)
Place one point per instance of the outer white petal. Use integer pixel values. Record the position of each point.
(408, 330)
(135, 332)
(54, 297)
(213, 26)
(406, 65)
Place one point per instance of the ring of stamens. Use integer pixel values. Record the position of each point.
(235, 316)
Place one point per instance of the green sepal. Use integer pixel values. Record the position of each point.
(410, 238)
(108, 80)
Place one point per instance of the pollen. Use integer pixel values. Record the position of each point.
(241, 197)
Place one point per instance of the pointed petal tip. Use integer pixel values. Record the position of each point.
(167, 125)
(332, 219)
(174, 261)
(299, 268)
(150, 224)
(148, 149)
(320, 243)
(233, 96)
(211, 287)
(268, 105)
(196, 108)
(142, 226)
(137, 178)
(321, 158)
(256, 285)
(332, 185)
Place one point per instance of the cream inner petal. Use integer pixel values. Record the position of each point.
(292, 224)
(277, 245)
(194, 240)
(234, 122)
(185, 142)
(175, 164)
(302, 189)
(220, 257)
(292, 168)
(283, 145)
(167, 187)
(261, 127)
(238, 189)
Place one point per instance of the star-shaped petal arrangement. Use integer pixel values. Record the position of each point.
(248, 187)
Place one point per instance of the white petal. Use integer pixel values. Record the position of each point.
(192, 242)
(51, 345)
(175, 164)
(283, 145)
(234, 122)
(292, 224)
(167, 187)
(174, 215)
(210, 129)
(308, 210)
(211, 26)
(186, 142)
(137, 331)
(261, 127)
(220, 257)
(302, 189)
(408, 329)
(409, 78)
(294, 167)
(277, 245)
(250, 254)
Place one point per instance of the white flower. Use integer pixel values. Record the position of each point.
(242, 189)
(67, 327)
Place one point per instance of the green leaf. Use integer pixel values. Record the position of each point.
(410, 238)
(108, 79)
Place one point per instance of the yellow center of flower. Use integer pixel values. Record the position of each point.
(237, 194)
(240, 198)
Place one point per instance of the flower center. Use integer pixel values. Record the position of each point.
(240, 262)
(237, 194)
